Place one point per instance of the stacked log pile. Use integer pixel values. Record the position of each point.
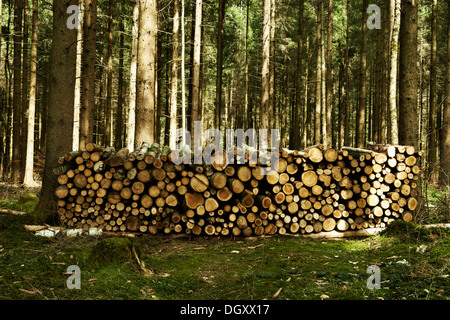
(310, 191)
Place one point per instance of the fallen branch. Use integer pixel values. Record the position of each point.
(345, 234)
(11, 212)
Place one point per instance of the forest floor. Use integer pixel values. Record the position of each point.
(414, 263)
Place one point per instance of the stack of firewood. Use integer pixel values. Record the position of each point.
(310, 191)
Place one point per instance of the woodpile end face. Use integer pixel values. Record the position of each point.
(314, 190)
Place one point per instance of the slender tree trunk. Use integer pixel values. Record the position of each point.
(377, 76)
(317, 127)
(77, 98)
(131, 126)
(88, 74)
(342, 93)
(183, 78)
(329, 76)
(6, 157)
(174, 86)
(60, 108)
(347, 79)
(433, 171)
(17, 88)
(393, 73)
(28, 177)
(272, 96)
(109, 77)
(220, 33)
(384, 74)
(195, 99)
(296, 132)
(444, 174)
(247, 120)
(361, 111)
(146, 72)
(25, 87)
(408, 117)
(265, 75)
(158, 83)
(119, 137)
(306, 129)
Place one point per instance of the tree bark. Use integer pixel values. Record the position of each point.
(183, 79)
(347, 79)
(247, 121)
(220, 33)
(272, 96)
(145, 77)
(88, 73)
(17, 92)
(318, 113)
(118, 133)
(174, 84)
(28, 177)
(108, 115)
(408, 117)
(25, 87)
(77, 99)
(296, 132)
(361, 111)
(444, 174)
(131, 124)
(265, 75)
(432, 147)
(393, 72)
(329, 77)
(195, 100)
(61, 103)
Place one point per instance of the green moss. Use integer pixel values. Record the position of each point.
(113, 251)
(412, 233)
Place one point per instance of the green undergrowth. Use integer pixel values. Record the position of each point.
(414, 264)
(26, 203)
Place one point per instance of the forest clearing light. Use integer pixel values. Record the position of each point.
(253, 141)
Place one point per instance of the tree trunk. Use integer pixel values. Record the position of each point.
(61, 103)
(108, 115)
(329, 77)
(131, 124)
(145, 77)
(317, 127)
(444, 174)
(247, 122)
(393, 73)
(272, 96)
(183, 78)
(24, 103)
(432, 147)
(17, 91)
(296, 132)
(118, 133)
(347, 79)
(408, 117)
(88, 74)
(28, 178)
(195, 100)
(77, 98)
(174, 86)
(220, 33)
(361, 111)
(384, 74)
(265, 75)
